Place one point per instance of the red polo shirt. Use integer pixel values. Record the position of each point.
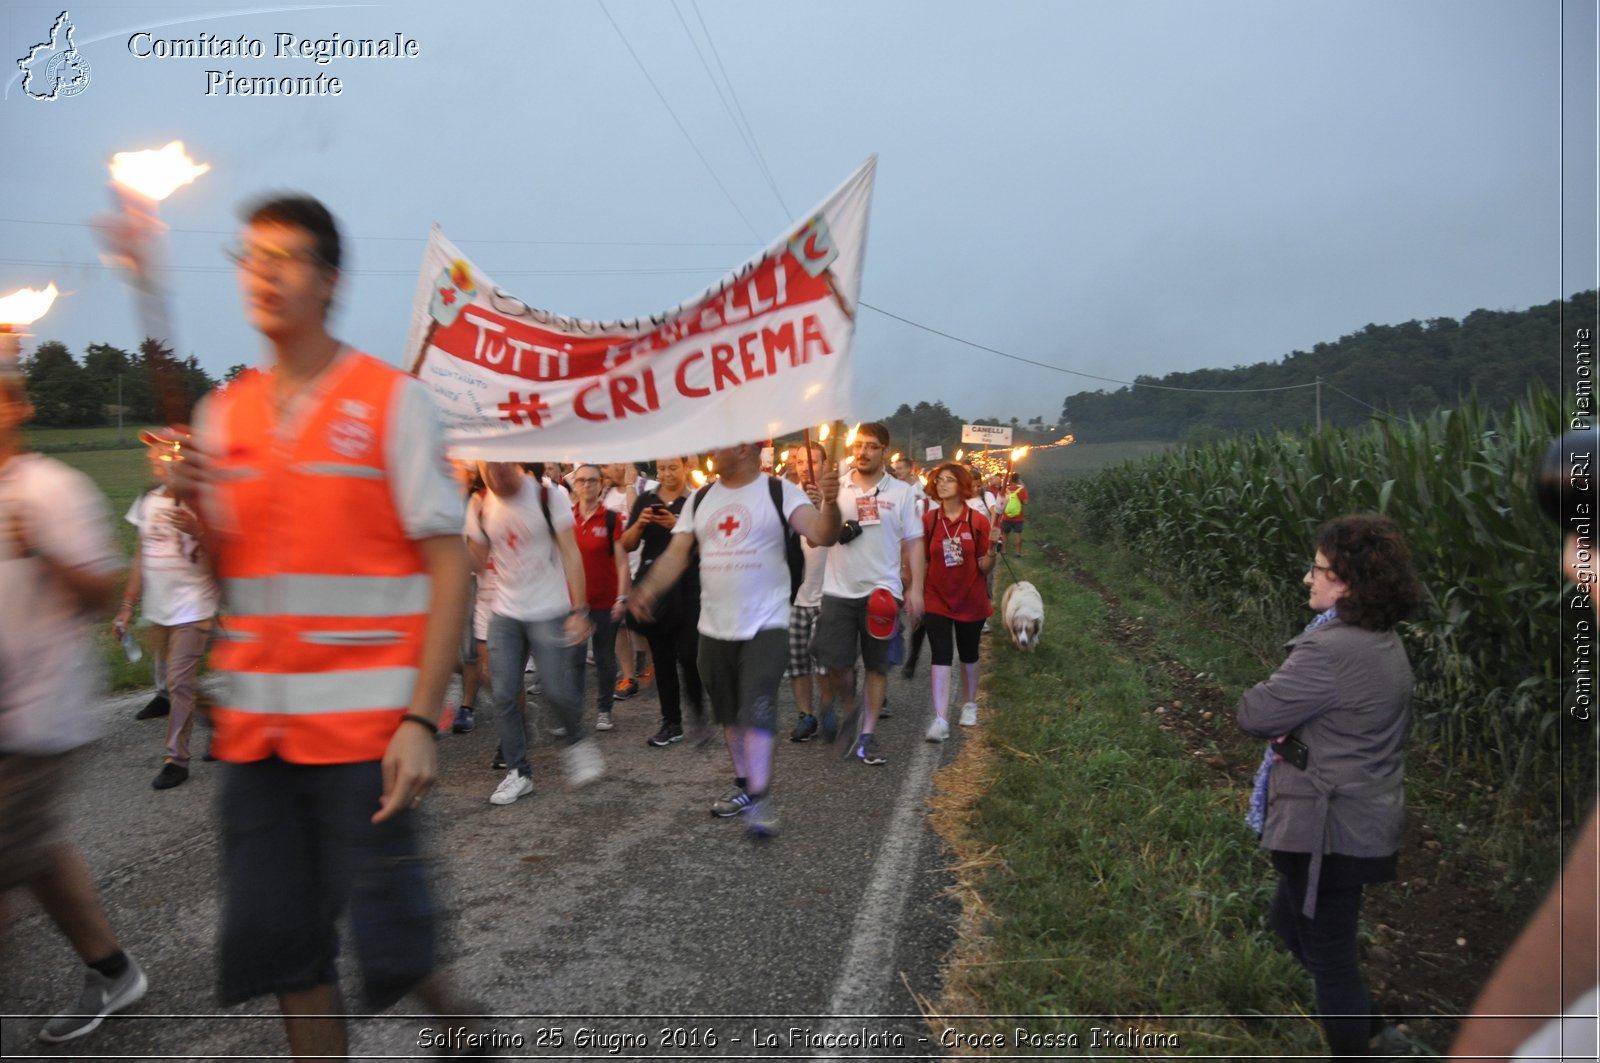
(599, 562)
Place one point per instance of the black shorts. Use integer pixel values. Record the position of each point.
(842, 633)
(741, 678)
(298, 845)
(33, 792)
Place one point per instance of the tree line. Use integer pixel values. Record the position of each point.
(148, 386)
(1411, 368)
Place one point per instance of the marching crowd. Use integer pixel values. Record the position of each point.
(313, 510)
(310, 536)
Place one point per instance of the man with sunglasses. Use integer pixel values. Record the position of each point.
(882, 513)
(330, 514)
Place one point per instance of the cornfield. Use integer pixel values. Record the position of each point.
(1233, 521)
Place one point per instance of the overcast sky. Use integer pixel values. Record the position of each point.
(1111, 187)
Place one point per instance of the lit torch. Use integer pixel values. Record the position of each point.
(140, 180)
(22, 307)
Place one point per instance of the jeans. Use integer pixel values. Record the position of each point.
(1326, 947)
(604, 642)
(510, 642)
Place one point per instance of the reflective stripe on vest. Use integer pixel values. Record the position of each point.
(327, 595)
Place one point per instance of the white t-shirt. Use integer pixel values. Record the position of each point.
(50, 664)
(744, 575)
(810, 592)
(888, 515)
(987, 504)
(530, 581)
(176, 585)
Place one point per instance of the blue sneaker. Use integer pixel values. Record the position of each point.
(464, 721)
(830, 725)
(805, 728)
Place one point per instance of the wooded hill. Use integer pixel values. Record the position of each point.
(1415, 367)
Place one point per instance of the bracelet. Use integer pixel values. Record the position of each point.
(412, 717)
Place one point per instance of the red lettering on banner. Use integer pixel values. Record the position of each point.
(681, 378)
(722, 373)
(778, 340)
(811, 334)
(579, 405)
(624, 392)
(752, 356)
(515, 408)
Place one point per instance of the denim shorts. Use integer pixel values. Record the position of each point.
(298, 847)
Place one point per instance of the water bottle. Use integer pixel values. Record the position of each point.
(131, 647)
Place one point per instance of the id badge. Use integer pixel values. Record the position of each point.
(867, 511)
(952, 553)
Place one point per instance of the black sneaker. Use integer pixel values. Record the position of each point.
(669, 733)
(884, 713)
(910, 670)
(158, 706)
(464, 720)
(499, 761)
(805, 728)
(867, 750)
(170, 775)
(830, 725)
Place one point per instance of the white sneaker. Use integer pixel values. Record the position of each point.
(584, 763)
(938, 730)
(969, 714)
(100, 997)
(604, 723)
(513, 786)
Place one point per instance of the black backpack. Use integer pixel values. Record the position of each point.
(793, 555)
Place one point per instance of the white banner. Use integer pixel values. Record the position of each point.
(933, 454)
(988, 435)
(763, 352)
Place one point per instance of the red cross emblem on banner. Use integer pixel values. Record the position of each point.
(515, 408)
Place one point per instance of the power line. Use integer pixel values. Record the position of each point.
(750, 131)
(1075, 372)
(678, 122)
(1352, 398)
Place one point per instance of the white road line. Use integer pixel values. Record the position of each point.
(867, 971)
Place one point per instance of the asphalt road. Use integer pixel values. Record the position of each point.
(621, 920)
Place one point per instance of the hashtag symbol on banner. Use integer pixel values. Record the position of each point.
(515, 408)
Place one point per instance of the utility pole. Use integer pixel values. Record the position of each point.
(1319, 405)
(119, 404)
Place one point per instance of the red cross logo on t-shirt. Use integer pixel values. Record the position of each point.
(511, 541)
(728, 526)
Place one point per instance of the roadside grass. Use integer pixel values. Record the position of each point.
(1080, 459)
(1117, 883)
(59, 440)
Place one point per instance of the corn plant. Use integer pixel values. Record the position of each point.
(1233, 521)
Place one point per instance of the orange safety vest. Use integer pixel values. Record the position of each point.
(326, 596)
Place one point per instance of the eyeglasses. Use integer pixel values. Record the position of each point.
(946, 480)
(1315, 568)
(269, 257)
(867, 444)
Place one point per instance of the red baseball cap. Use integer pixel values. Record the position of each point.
(883, 614)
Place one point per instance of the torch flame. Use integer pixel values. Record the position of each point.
(895, 458)
(26, 305)
(711, 465)
(1019, 453)
(698, 477)
(822, 432)
(156, 174)
(959, 453)
(850, 440)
